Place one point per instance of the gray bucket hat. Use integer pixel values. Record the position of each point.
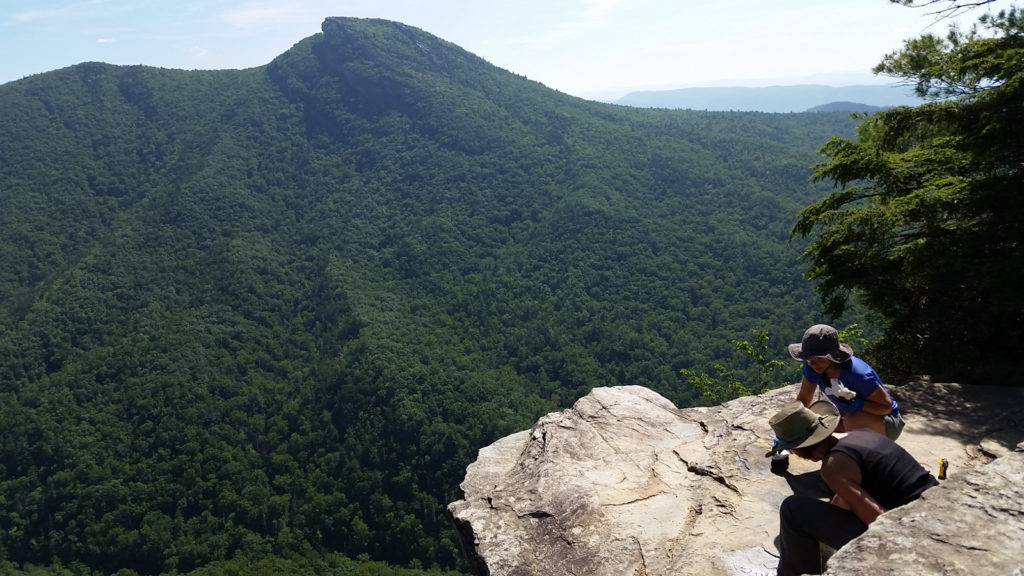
(821, 341)
(797, 426)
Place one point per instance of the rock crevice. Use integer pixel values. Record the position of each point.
(625, 483)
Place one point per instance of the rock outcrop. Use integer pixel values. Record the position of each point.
(972, 524)
(626, 484)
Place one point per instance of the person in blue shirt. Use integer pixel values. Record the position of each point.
(847, 381)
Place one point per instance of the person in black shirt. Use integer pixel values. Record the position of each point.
(867, 472)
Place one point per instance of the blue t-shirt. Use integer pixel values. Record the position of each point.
(854, 374)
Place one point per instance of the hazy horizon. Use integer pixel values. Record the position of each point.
(595, 49)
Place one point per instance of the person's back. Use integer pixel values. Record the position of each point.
(888, 472)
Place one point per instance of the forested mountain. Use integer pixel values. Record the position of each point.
(852, 107)
(273, 313)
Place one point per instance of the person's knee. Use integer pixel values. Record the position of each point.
(894, 425)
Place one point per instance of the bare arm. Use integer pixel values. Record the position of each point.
(842, 475)
(807, 392)
(878, 403)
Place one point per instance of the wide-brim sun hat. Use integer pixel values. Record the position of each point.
(821, 341)
(797, 426)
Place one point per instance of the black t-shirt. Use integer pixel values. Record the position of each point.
(888, 472)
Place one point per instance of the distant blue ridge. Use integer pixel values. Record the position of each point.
(797, 98)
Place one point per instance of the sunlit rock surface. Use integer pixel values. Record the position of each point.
(625, 483)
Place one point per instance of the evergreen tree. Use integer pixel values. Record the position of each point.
(927, 226)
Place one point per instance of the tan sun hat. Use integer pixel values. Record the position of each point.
(797, 426)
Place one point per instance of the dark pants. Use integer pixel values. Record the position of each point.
(806, 521)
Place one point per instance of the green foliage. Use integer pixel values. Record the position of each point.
(925, 228)
(726, 386)
(761, 376)
(269, 316)
(853, 335)
(329, 564)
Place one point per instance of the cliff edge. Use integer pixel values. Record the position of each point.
(626, 484)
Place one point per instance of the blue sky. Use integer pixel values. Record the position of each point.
(598, 49)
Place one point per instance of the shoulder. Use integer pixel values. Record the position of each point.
(840, 465)
(866, 445)
(860, 369)
(855, 443)
(855, 364)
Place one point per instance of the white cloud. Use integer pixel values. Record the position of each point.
(37, 15)
(104, 40)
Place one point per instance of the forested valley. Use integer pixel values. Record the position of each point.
(263, 319)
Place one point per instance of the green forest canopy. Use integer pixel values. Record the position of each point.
(270, 315)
